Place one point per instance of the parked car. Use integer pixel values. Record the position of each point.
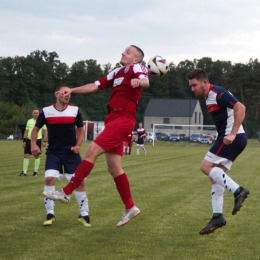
(162, 136)
(206, 139)
(195, 137)
(150, 137)
(184, 137)
(174, 138)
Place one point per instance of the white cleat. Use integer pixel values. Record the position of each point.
(128, 215)
(57, 195)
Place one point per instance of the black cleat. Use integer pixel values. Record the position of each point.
(22, 174)
(35, 174)
(215, 222)
(239, 199)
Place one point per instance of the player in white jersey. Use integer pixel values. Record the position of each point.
(63, 150)
(228, 114)
(141, 134)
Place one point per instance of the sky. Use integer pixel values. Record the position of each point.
(177, 30)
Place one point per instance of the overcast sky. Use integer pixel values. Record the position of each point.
(101, 30)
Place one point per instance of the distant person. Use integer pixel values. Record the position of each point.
(141, 134)
(27, 143)
(228, 114)
(128, 144)
(126, 84)
(62, 120)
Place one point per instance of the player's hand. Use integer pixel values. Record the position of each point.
(135, 83)
(75, 149)
(23, 144)
(228, 139)
(35, 150)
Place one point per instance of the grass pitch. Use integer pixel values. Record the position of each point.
(168, 187)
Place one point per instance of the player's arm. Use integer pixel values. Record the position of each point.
(85, 89)
(34, 148)
(239, 115)
(45, 136)
(80, 137)
(25, 134)
(143, 83)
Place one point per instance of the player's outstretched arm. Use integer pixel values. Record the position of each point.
(85, 89)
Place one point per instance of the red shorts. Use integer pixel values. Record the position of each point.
(117, 128)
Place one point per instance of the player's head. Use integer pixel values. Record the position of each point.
(140, 124)
(199, 82)
(35, 113)
(131, 55)
(59, 94)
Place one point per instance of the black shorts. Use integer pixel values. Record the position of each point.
(27, 149)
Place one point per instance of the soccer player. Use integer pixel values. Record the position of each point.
(126, 85)
(27, 143)
(141, 134)
(128, 144)
(228, 114)
(63, 150)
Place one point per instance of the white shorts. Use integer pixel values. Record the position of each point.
(211, 157)
(141, 145)
(56, 174)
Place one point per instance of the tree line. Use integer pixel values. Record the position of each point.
(29, 82)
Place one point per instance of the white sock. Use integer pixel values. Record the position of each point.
(144, 150)
(220, 177)
(81, 197)
(137, 151)
(217, 195)
(49, 204)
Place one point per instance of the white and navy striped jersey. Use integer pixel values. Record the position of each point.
(220, 103)
(61, 126)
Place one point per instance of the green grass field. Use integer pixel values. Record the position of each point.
(168, 187)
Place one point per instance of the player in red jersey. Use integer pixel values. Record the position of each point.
(128, 144)
(127, 83)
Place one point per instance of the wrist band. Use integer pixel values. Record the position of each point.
(24, 140)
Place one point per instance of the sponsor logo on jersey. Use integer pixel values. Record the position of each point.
(118, 81)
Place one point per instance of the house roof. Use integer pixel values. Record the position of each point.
(171, 107)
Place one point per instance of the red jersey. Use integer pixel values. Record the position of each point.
(124, 97)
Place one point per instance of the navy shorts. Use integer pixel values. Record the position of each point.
(68, 160)
(231, 151)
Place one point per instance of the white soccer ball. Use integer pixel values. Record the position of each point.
(157, 66)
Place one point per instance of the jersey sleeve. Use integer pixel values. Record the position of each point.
(40, 121)
(79, 120)
(226, 99)
(140, 71)
(107, 82)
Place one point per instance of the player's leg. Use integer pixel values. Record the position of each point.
(27, 153)
(37, 159)
(71, 161)
(137, 148)
(123, 187)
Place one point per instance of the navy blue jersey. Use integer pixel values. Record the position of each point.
(61, 126)
(220, 103)
(141, 134)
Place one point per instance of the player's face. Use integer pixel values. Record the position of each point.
(61, 97)
(35, 113)
(198, 87)
(129, 56)
(140, 125)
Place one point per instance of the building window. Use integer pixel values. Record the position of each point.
(199, 118)
(166, 120)
(195, 118)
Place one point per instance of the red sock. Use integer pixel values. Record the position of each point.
(81, 173)
(123, 187)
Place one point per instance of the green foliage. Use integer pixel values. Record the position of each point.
(32, 79)
(168, 187)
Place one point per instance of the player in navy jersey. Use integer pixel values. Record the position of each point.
(126, 84)
(228, 114)
(141, 134)
(63, 150)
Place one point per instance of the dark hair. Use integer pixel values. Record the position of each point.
(60, 86)
(141, 52)
(198, 74)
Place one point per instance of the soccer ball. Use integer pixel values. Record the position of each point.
(157, 66)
